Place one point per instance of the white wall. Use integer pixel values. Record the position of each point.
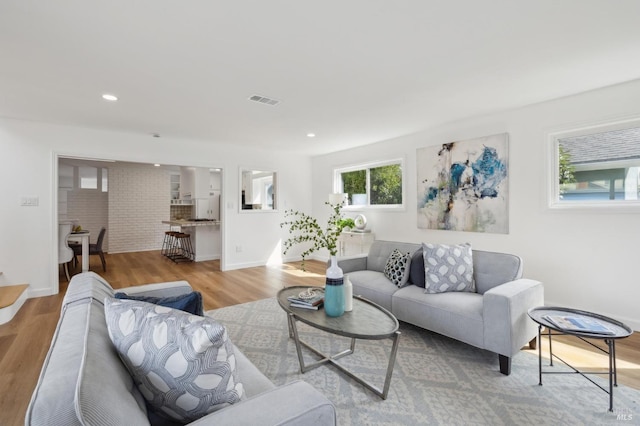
(28, 152)
(585, 259)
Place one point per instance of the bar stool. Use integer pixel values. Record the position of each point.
(183, 248)
(168, 243)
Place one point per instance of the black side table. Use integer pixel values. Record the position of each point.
(615, 330)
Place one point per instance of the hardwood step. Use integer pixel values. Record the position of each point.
(12, 298)
(10, 294)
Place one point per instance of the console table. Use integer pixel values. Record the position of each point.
(362, 240)
(616, 330)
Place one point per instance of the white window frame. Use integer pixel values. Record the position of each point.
(366, 166)
(553, 186)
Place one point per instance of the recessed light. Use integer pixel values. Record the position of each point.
(311, 135)
(156, 165)
(109, 97)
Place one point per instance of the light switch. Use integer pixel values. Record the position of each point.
(29, 201)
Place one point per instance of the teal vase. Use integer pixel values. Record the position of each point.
(334, 290)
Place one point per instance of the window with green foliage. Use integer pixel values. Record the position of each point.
(376, 184)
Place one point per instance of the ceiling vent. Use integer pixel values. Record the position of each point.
(264, 100)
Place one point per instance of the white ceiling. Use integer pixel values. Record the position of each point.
(353, 71)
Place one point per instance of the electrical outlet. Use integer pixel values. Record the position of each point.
(238, 249)
(29, 201)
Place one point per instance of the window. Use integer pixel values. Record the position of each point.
(374, 184)
(88, 177)
(105, 179)
(598, 166)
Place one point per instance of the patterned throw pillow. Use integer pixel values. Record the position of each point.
(397, 268)
(448, 268)
(183, 364)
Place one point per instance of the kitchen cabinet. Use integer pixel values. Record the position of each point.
(206, 242)
(187, 182)
(174, 184)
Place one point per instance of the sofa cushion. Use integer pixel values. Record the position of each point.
(184, 365)
(455, 314)
(105, 392)
(397, 268)
(381, 250)
(448, 268)
(374, 286)
(189, 302)
(491, 269)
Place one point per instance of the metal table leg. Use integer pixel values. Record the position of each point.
(332, 358)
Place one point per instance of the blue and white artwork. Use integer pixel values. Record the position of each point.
(464, 186)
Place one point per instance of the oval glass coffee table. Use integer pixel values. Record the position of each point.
(366, 321)
(585, 326)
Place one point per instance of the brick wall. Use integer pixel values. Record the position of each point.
(139, 200)
(91, 208)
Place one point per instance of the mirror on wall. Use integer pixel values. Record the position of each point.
(258, 190)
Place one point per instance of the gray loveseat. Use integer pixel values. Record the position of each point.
(83, 381)
(493, 318)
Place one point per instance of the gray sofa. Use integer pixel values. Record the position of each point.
(493, 318)
(83, 381)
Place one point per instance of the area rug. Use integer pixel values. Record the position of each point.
(436, 380)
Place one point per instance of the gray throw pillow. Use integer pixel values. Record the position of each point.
(183, 364)
(448, 268)
(416, 273)
(397, 267)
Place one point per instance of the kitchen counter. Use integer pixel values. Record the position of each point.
(204, 234)
(187, 223)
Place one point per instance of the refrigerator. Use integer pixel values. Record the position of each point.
(208, 208)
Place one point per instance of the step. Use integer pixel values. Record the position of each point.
(12, 297)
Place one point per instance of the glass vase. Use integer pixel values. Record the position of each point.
(334, 290)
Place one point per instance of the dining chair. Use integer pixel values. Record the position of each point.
(65, 253)
(93, 249)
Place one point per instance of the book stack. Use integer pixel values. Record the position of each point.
(312, 301)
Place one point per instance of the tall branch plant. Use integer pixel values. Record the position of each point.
(306, 229)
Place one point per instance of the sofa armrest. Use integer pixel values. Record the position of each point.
(296, 403)
(351, 264)
(507, 326)
(167, 289)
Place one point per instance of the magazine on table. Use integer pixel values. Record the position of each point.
(577, 323)
(313, 300)
(312, 307)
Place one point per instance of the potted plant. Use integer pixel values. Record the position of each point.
(306, 229)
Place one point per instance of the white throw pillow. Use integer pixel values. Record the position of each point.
(448, 268)
(183, 364)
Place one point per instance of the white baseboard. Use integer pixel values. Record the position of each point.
(205, 258)
(243, 265)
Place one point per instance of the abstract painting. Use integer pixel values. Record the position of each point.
(463, 186)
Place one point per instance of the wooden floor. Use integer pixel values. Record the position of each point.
(24, 341)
